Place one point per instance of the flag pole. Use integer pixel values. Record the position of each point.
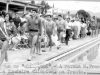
(53, 9)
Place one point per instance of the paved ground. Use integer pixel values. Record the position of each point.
(20, 56)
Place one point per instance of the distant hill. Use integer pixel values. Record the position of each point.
(95, 14)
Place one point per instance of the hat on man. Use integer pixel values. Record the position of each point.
(59, 15)
(55, 16)
(48, 14)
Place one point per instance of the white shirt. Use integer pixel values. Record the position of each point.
(68, 25)
(23, 19)
(72, 24)
(78, 24)
(27, 16)
(84, 25)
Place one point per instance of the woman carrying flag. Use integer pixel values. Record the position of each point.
(7, 32)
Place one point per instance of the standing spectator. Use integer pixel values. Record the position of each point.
(77, 28)
(17, 21)
(97, 28)
(68, 30)
(89, 28)
(83, 29)
(93, 28)
(72, 33)
(98, 24)
(23, 24)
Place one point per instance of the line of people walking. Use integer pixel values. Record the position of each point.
(41, 30)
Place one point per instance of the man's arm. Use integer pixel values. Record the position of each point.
(65, 24)
(27, 24)
(14, 30)
(40, 27)
(45, 25)
(56, 23)
(54, 27)
(19, 21)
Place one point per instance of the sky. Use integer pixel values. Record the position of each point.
(76, 5)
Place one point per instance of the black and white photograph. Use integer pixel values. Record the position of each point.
(49, 37)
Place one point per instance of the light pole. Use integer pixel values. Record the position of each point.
(7, 5)
(25, 7)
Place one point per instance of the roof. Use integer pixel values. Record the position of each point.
(64, 0)
(25, 3)
(21, 3)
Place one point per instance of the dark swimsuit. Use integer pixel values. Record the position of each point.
(10, 31)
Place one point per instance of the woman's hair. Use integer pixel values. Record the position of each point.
(10, 17)
(3, 13)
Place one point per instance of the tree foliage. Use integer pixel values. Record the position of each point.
(32, 2)
(45, 7)
(43, 2)
(83, 14)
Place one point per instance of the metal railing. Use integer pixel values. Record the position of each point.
(73, 53)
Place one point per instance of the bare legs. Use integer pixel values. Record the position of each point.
(50, 40)
(4, 52)
(38, 46)
(15, 43)
(33, 38)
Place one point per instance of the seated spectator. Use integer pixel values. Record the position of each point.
(15, 41)
(23, 24)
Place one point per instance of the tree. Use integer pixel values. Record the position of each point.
(83, 14)
(32, 2)
(43, 2)
(88, 17)
(45, 7)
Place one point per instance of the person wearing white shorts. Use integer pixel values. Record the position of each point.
(15, 41)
